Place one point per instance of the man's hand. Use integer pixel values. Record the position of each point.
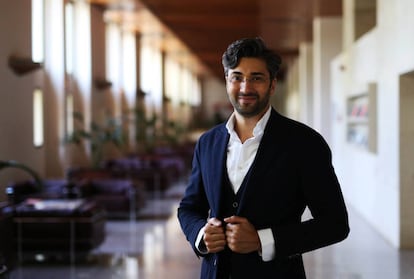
(241, 236)
(214, 237)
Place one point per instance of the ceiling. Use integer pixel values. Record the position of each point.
(207, 27)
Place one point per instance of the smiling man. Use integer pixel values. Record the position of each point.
(252, 178)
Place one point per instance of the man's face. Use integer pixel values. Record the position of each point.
(249, 87)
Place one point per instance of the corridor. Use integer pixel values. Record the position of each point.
(156, 249)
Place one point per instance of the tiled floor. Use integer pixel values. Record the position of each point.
(363, 255)
(156, 249)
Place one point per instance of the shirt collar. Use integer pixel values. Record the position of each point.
(258, 129)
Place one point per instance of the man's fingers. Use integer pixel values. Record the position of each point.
(214, 222)
(214, 237)
(235, 219)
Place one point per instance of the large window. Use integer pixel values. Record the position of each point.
(182, 85)
(69, 34)
(38, 30)
(129, 65)
(77, 61)
(151, 74)
(190, 88)
(38, 131)
(69, 114)
(113, 45)
(69, 64)
(195, 89)
(38, 56)
(172, 80)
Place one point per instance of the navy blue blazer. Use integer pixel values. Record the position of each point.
(291, 171)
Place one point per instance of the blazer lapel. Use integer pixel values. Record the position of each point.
(218, 156)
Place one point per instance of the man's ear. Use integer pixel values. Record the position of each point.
(272, 86)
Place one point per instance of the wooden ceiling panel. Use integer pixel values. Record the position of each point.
(212, 22)
(212, 7)
(207, 27)
(279, 9)
(286, 35)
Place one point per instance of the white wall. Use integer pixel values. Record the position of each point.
(371, 180)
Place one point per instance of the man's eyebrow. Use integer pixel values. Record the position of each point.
(236, 73)
(258, 74)
(253, 73)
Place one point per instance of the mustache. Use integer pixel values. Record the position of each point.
(248, 95)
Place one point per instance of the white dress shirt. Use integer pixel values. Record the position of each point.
(240, 157)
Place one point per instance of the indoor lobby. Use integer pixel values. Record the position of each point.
(103, 101)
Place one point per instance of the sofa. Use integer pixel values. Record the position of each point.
(119, 197)
(156, 171)
(18, 192)
(7, 249)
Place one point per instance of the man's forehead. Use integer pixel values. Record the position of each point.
(249, 65)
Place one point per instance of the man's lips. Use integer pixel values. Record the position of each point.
(247, 98)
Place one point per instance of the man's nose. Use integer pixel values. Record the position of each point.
(246, 85)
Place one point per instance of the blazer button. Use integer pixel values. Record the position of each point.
(235, 204)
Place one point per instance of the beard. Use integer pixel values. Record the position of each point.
(251, 109)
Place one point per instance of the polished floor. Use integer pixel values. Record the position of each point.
(156, 249)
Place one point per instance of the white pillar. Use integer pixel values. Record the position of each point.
(306, 83)
(327, 38)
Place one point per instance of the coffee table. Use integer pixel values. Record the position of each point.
(58, 227)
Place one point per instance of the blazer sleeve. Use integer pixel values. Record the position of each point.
(193, 209)
(322, 195)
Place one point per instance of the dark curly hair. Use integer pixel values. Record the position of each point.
(251, 47)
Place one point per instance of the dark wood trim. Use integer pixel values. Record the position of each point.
(23, 65)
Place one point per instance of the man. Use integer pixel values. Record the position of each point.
(252, 178)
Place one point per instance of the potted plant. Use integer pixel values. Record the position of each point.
(98, 136)
(145, 130)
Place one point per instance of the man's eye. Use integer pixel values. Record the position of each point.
(236, 78)
(258, 79)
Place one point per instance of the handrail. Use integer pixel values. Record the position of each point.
(15, 164)
(3, 269)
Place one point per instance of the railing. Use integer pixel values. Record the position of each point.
(15, 164)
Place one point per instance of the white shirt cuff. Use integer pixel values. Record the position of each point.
(199, 244)
(268, 244)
